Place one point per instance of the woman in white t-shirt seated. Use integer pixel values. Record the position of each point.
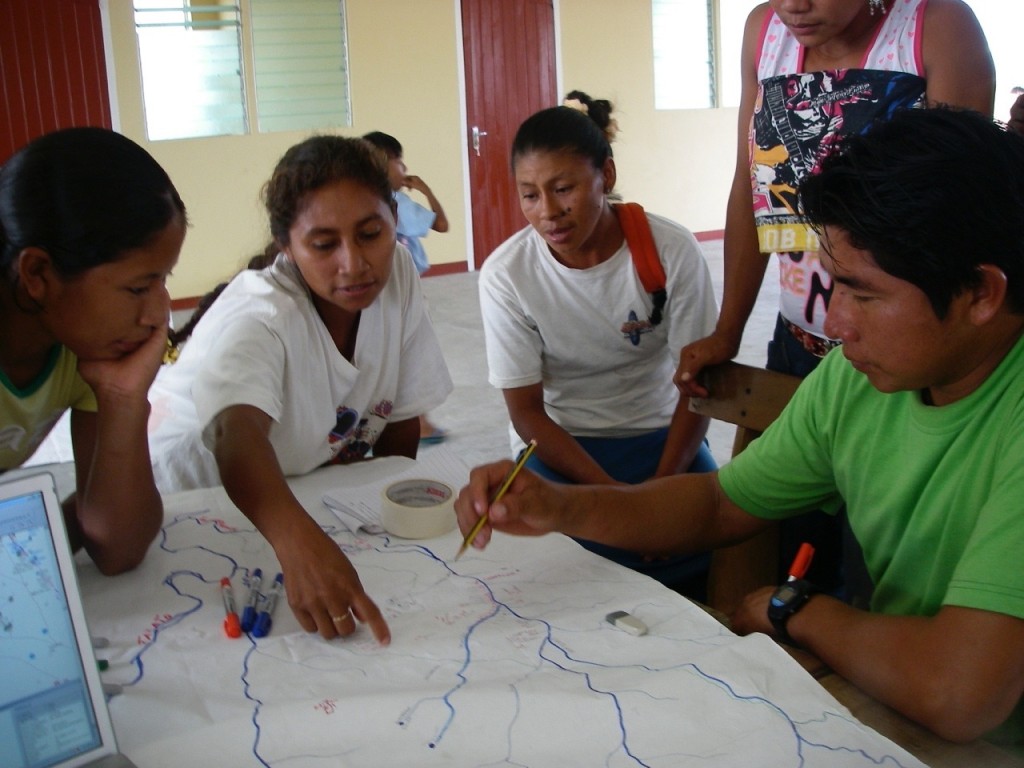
(323, 356)
(583, 354)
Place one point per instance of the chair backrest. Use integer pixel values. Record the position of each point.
(751, 398)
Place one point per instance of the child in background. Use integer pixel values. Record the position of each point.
(1016, 122)
(414, 222)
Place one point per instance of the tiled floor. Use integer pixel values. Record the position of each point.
(474, 414)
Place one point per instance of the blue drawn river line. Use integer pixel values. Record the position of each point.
(497, 609)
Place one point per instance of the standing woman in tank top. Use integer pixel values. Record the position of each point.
(812, 72)
(821, 68)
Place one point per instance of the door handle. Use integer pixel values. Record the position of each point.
(477, 133)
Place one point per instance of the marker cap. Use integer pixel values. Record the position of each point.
(231, 626)
(262, 626)
(248, 618)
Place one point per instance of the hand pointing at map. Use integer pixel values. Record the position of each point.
(323, 588)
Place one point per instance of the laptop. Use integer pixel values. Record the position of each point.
(53, 712)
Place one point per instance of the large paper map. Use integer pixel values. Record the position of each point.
(503, 658)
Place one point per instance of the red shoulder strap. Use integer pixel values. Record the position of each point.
(637, 230)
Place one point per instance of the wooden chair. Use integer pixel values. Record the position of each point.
(751, 398)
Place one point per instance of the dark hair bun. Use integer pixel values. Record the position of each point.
(598, 110)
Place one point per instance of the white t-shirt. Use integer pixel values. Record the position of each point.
(584, 332)
(262, 344)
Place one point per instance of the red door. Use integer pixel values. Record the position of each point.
(509, 48)
(53, 72)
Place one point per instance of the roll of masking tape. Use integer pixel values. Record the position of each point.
(417, 509)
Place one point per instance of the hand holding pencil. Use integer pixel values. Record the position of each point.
(501, 497)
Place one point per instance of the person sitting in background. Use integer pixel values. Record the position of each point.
(582, 351)
(414, 222)
(90, 228)
(1016, 122)
(916, 422)
(324, 356)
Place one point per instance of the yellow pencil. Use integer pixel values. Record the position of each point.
(497, 496)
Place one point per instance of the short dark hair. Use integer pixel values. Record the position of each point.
(304, 168)
(83, 195)
(315, 163)
(386, 142)
(931, 194)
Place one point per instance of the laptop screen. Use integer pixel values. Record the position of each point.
(47, 716)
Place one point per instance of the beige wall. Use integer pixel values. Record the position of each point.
(406, 81)
(677, 163)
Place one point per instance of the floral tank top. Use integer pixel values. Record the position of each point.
(797, 117)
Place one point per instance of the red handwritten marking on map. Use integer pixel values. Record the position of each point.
(217, 523)
(457, 617)
(327, 706)
(158, 621)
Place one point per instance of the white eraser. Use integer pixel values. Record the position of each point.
(626, 622)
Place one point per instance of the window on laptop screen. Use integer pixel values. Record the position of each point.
(46, 715)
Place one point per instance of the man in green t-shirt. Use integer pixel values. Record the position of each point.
(916, 423)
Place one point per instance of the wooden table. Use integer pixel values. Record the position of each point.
(919, 741)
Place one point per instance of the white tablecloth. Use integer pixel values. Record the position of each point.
(501, 658)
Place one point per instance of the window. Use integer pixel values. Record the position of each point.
(216, 69)
(697, 52)
(300, 60)
(683, 44)
(1002, 22)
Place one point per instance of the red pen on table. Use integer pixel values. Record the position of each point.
(801, 562)
(232, 627)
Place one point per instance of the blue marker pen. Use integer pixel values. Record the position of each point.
(249, 612)
(264, 618)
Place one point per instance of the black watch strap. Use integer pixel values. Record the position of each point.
(789, 598)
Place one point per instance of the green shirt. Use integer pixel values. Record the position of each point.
(27, 415)
(935, 495)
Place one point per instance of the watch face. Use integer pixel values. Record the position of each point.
(784, 594)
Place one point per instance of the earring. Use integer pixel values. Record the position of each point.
(876, 5)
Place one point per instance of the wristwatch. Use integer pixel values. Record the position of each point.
(789, 598)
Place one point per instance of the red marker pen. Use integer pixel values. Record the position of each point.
(801, 562)
(232, 627)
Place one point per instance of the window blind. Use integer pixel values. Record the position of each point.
(300, 64)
